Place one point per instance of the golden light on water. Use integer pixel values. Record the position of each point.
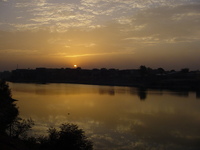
(112, 114)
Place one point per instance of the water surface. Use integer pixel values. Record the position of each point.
(123, 118)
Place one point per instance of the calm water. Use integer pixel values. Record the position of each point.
(121, 118)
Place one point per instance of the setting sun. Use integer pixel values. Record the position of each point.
(75, 66)
(155, 33)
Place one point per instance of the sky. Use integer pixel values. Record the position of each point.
(99, 34)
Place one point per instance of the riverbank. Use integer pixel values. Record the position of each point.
(148, 78)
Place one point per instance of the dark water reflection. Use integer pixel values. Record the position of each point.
(121, 118)
(198, 94)
(142, 93)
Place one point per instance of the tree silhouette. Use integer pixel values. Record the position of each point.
(161, 71)
(143, 71)
(5, 92)
(185, 70)
(19, 127)
(8, 110)
(69, 137)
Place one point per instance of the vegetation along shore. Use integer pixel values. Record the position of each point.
(144, 77)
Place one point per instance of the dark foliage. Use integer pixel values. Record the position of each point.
(69, 137)
(143, 71)
(19, 128)
(185, 70)
(8, 110)
(5, 92)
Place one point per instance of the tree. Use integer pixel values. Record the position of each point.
(143, 71)
(68, 137)
(185, 70)
(19, 127)
(5, 92)
(8, 110)
(161, 71)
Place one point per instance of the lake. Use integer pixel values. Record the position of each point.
(115, 118)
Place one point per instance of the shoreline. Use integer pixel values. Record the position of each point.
(138, 85)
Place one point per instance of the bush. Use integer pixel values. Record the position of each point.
(68, 137)
(20, 127)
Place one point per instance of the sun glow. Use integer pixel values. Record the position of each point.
(75, 66)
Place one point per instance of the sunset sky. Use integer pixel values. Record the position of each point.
(121, 34)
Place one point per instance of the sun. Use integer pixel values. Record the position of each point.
(75, 66)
